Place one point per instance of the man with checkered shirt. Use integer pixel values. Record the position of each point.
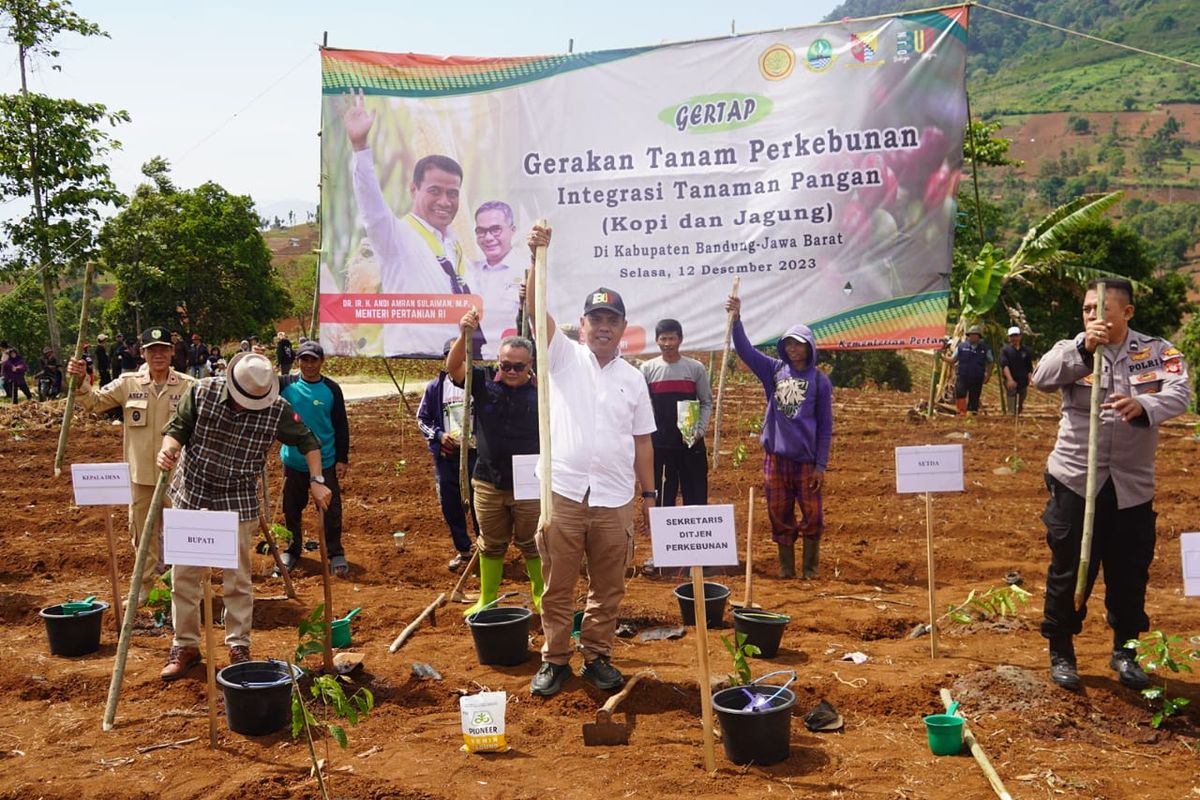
(224, 427)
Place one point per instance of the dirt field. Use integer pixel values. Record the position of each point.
(872, 591)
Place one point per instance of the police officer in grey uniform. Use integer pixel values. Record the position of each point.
(1145, 382)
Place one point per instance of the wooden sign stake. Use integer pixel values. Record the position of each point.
(933, 632)
(706, 712)
(113, 575)
(210, 652)
(328, 652)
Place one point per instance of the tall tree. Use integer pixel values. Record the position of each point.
(192, 260)
(52, 154)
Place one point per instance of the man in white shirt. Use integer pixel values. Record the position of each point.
(600, 425)
(498, 278)
(416, 253)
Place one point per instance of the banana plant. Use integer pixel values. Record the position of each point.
(1040, 253)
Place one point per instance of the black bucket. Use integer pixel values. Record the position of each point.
(762, 737)
(73, 634)
(763, 629)
(501, 635)
(715, 595)
(258, 696)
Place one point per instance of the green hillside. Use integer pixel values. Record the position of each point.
(1017, 67)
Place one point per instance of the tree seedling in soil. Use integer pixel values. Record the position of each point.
(741, 670)
(1156, 650)
(283, 537)
(996, 602)
(739, 454)
(158, 600)
(326, 689)
(1014, 462)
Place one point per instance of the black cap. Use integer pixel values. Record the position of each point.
(156, 336)
(310, 348)
(604, 300)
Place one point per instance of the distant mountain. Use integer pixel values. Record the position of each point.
(1017, 67)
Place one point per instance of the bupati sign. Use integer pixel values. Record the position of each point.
(818, 164)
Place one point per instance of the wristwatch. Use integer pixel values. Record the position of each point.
(650, 495)
(317, 479)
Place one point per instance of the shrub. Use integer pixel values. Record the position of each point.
(884, 368)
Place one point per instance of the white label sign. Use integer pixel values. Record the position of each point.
(200, 538)
(1190, 543)
(929, 468)
(526, 485)
(693, 536)
(101, 484)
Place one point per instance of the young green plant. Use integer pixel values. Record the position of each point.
(996, 602)
(738, 652)
(328, 690)
(1156, 650)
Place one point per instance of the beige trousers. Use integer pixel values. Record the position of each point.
(503, 519)
(605, 535)
(188, 592)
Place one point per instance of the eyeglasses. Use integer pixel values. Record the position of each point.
(492, 230)
(508, 366)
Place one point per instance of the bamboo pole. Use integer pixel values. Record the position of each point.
(464, 439)
(933, 631)
(412, 626)
(273, 548)
(135, 580)
(706, 711)
(542, 343)
(721, 381)
(1089, 499)
(70, 407)
(113, 576)
(525, 310)
(210, 653)
(319, 516)
(980, 757)
(933, 381)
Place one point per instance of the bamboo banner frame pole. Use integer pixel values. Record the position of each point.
(210, 656)
(542, 344)
(327, 650)
(706, 711)
(721, 381)
(525, 311)
(933, 382)
(135, 579)
(113, 575)
(933, 631)
(70, 407)
(1089, 499)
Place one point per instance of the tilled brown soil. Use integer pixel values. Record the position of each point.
(871, 594)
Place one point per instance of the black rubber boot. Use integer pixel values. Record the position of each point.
(1062, 664)
(787, 560)
(811, 558)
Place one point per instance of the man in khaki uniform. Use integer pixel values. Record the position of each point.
(147, 398)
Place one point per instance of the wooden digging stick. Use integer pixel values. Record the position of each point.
(721, 380)
(210, 656)
(980, 757)
(412, 626)
(70, 408)
(1089, 498)
(273, 547)
(113, 576)
(542, 343)
(135, 585)
(319, 516)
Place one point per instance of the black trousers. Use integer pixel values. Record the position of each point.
(679, 468)
(295, 498)
(450, 498)
(969, 388)
(1122, 542)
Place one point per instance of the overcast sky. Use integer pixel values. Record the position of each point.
(229, 91)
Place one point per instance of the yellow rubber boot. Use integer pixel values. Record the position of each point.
(491, 570)
(537, 584)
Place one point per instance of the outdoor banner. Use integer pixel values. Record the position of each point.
(818, 164)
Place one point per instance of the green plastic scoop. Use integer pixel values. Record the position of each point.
(78, 606)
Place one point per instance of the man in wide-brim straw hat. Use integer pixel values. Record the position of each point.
(224, 427)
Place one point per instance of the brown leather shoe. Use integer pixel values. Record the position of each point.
(179, 661)
(239, 654)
